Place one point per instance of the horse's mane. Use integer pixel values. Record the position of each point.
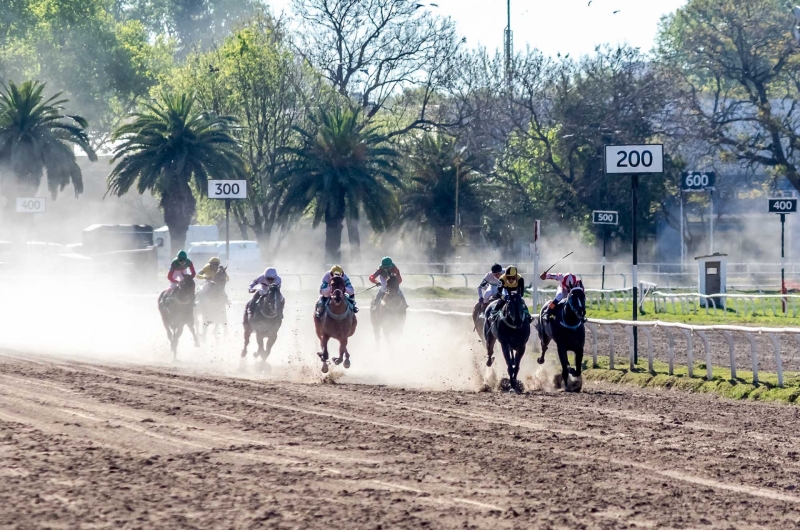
(392, 282)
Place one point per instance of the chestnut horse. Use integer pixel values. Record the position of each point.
(338, 321)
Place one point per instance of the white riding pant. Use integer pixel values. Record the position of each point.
(489, 293)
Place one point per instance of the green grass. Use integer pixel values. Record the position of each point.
(441, 293)
(721, 384)
(624, 312)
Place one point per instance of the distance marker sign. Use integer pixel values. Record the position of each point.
(782, 205)
(600, 217)
(32, 205)
(634, 159)
(227, 189)
(698, 180)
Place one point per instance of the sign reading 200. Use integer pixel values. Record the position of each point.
(634, 159)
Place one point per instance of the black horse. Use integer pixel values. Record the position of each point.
(389, 313)
(264, 318)
(511, 327)
(177, 311)
(212, 303)
(569, 334)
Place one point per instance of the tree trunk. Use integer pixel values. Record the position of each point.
(355, 240)
(443, 247)
(179, 205)
(333, 240)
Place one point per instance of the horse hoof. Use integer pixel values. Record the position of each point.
(572, 371)
(324, 368)
(490, 361)
(540, 360)
(347, 363)
(505, 384)
(244, 354)
(337, 362)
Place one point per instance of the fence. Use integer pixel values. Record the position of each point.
(673, 330)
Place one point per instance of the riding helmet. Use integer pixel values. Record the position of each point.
(497, 268)
(387, 262)
(511, 271)
(337, 270)
(214, 261)
(182, 255)
(270, 273)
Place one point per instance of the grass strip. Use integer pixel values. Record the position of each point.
(721, 383)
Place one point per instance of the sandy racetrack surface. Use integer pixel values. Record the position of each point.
(113, 445)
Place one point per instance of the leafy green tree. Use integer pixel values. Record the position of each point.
(254, 77)
(737, 66)
(36, 138)
(172, 150)
(342, 167)
(102, 65)
(429, 198)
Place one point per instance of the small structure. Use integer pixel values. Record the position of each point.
(712, 278)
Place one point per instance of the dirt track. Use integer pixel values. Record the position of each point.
(100, 445)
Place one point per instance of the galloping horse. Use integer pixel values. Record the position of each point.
(569, 334)
(389, 313)
(265, 319)
(212, 303)
(338, 321)
(511, 327)
(177, 311)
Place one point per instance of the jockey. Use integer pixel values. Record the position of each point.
(270, 277)
(209, 270)
(325, 290)
(488, 287)
(181, 266)
(382, 275)
(510, 282)
(566, 282)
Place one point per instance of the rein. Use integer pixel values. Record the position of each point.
(563, 321)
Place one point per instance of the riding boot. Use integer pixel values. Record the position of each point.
(280, 308)
(353, 301)
(320, 307)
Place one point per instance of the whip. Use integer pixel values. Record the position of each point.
(559, 261)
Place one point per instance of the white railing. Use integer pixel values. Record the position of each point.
(670, 330)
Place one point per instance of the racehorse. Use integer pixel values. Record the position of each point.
(511, 327)
(338, 321)
(212, 303)
(265, 319)
(177, 311)
(569, 334)
(388, 314)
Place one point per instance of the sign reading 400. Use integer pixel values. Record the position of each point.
(782, 205)
(634, 159)
(227, 189)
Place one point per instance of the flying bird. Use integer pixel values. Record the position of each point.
(617, 11)
(590, 3)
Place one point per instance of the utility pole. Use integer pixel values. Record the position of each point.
(509, 44)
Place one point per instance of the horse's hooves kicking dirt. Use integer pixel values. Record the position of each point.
(505, 384)
(490, 361)
(337, 362)
(540, 360)
(347, 363)
(325, 368)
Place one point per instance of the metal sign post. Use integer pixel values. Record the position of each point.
(699, 181)
(782, 207)
(603, 217)
(227, 190)
(535, 290)
(634, 160)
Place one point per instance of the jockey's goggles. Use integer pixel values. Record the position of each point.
(270, 279)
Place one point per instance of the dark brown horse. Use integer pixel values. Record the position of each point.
(212, 303)
(177, 311)
(338, 321)
(388, 313)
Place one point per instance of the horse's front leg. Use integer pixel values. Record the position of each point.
(190, 325)
(562, 356)
(343, 353)
(508, 355)
(544, 341)
(270, 343)
(323, 355)
(247, 331)
(176, 336)
(489, 339)
(520, 353)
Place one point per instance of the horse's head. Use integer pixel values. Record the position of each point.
(577, 301)
(269, 302)
(184, 292)
(515, 308)
(220, 276)
(392, 285)
(337, 289)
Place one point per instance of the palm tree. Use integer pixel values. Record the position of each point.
(167, 148)
(341, 168)
(36, 138)
(429, 198)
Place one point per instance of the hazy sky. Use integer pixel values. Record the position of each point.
(566, 26)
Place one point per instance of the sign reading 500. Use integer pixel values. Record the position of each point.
(227, 189)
